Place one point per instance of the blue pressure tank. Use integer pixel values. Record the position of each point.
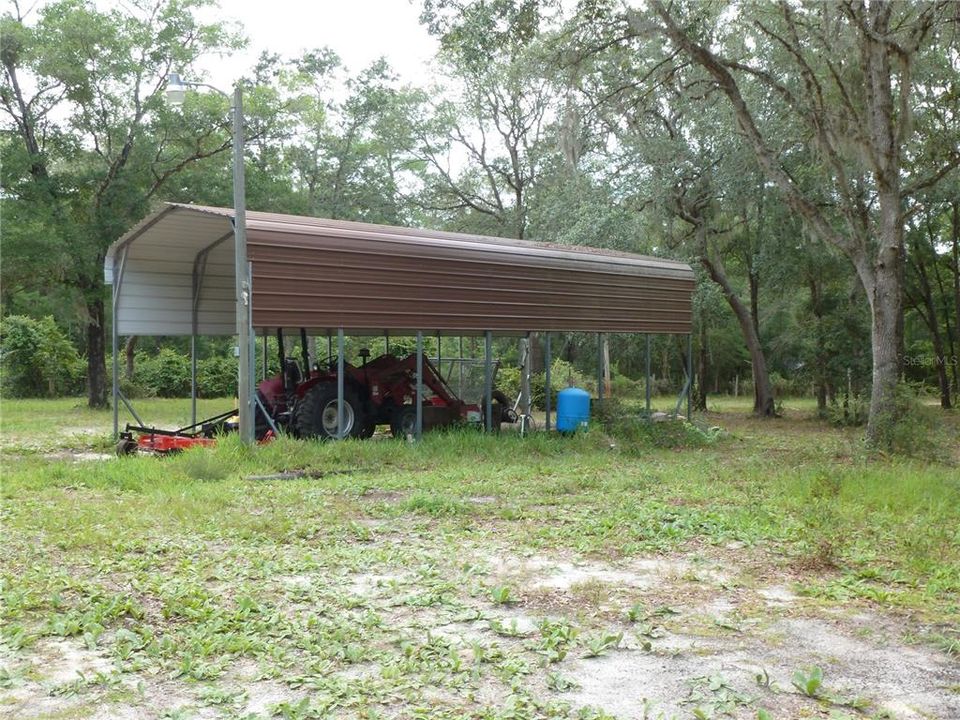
(573, 409)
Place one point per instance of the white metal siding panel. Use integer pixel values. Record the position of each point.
(156, 295)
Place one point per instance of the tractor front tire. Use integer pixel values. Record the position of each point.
(316, 414)
(368, 429)
(404, 423)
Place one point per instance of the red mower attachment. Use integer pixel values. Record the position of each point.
(203, 434)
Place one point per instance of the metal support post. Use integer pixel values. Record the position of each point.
(386, 342)
(599, 366)
(193, 379)
(689, 376)
(194, 323)
(340, 353)
(525, 399)
(252, 355)
(418, 432)
(243, 299)
(488, 380)
(115, 344)
(547, 361)
(460, 385)
(115, 338)
(264, 354)
(646, 383)
(282, 359)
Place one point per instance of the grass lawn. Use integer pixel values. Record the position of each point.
(773, 569)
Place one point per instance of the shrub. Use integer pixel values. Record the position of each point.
(637, 434)
(132, 389)
(850, 411)
(621, 386)
(37, 359)
(663, 386)
(562, 374)
(914, 429)
(166, 374)
(217, 377)
(788, 387)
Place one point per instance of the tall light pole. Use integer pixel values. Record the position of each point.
(176, 93)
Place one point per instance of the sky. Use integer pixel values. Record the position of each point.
(359, 31)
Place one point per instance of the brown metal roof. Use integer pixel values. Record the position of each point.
(325, 274)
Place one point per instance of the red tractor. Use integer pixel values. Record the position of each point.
(381, 391)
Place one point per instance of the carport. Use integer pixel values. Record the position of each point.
(173, 274)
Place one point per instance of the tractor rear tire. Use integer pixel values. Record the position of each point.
(316, 414)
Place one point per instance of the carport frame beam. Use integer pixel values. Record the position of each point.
(340, 351)
(488, 380)
(418, 399)
(547, 362)
(115, 338)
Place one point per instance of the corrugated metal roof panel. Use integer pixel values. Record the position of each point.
(321, 274)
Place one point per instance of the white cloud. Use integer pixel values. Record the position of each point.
(359, 31)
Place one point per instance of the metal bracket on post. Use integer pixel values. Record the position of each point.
(340, 352)
(418, 433)
(266, 415)
(130, 408)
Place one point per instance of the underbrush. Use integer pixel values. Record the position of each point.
(638, 432)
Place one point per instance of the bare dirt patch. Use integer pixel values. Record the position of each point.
(708, 650)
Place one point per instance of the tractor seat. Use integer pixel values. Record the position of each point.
(292, 373)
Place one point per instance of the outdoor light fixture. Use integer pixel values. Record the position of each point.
(176, 90)
(176, 94)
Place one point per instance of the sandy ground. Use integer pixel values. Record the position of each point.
(713, 641)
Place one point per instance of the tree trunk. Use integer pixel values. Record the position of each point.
(700, 396)
(96, 354)
(928, 312)
(763, 402)
(942, 377)
(950, 345)
(820, 352)
(537, 360)
(955, 233)
(887, 306)
(884, 285)
(128, 350)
